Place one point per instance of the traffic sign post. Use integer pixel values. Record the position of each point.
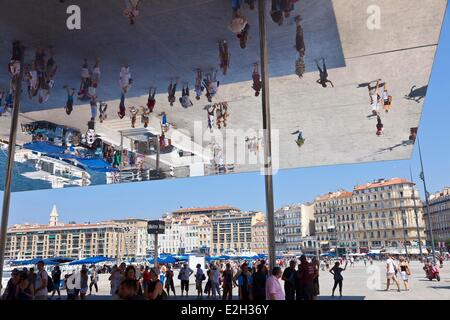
(156, 227)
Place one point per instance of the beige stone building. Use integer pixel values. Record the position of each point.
(385, 215)
(328, 209)
(136, 237)
(292, 224)
(440, 216)
(57, 239)
(376, 216)
(185, 234)
(259, 242)
(231, 231)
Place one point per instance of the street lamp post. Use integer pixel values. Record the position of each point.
(416, 217)
(404, 230)
(430, 225)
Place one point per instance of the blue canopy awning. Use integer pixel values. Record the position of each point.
(92, 260)
(163, 259)
(44, 147)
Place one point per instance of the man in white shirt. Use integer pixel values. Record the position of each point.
(40, 283)
(273, 286)
(392, 269)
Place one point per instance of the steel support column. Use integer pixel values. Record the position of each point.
(268, 177)
(10, 164)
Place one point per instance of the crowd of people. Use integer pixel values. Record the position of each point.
(247, 280)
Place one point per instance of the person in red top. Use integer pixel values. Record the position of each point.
(146, 277)
(257, 83)
(304, 280)
(151, 102)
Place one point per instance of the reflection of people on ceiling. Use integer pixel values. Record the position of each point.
(32, 79)
(300, 47)
(198, 84)
(145, 116)
(69, 103)
(375, 98)
(251, 4)
(96, 73)
(300, 140)
(224, 56)
(323, 74)
(386, 99)
(211, 120)
(2, 108)
(131, 10)
(125, 80)
(103, 107)
(257, 83)
(380, 126)
(171, 90)
(221, 114)
(151, 101)
(413, 134)
(133, 116)
(239, 24)
(185, 101)
(281, 9)
(93, 104)
(211, 84)
(122, 108)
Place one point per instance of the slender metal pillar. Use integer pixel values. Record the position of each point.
(156, 251)
(404, 221)
(158, 155)
(430, 224)
(416, 217)
(10, 165)
(267, 132)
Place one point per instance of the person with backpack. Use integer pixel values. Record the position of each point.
(56, 277)
(42, 283)
(199, 278)
(243, 280)
(289, 280)
(184, 275)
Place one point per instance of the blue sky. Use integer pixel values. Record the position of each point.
(246, 191)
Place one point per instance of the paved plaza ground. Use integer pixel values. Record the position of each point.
(360, 283)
